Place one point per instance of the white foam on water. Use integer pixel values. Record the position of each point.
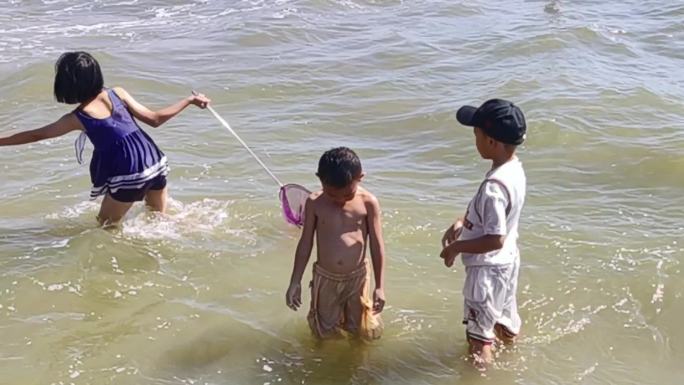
(203, 217)
(349, 4)
(587, 372)
(51, 2)
(285, 13)
(76, 211)
(129, 2)
(171, 11)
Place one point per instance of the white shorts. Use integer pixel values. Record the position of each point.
(489, 299)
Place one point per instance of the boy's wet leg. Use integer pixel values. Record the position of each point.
(480, 352)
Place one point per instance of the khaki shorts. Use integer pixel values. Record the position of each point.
(342, 302)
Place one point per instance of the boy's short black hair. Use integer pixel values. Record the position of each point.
(338, 167)
(78, 78)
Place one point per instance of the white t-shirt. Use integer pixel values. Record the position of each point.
(495, 210)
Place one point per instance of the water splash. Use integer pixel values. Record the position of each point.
(203, 217)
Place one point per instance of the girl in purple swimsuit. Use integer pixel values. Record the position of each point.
(127, 166)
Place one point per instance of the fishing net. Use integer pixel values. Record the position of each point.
(292, 196)
(293, 199)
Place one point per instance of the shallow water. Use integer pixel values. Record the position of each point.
(196, 297)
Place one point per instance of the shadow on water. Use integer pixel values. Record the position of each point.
(232, 353)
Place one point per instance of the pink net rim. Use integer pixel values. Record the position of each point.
(290, 216)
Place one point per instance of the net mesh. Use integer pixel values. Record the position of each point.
(293, 198)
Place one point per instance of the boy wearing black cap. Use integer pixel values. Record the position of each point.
(486, 237)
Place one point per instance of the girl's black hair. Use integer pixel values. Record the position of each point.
(78, 78)
(339, 167)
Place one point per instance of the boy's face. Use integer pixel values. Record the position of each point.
(484, 143)
(341, 195)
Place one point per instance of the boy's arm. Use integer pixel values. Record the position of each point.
(452, 232)
(377, 251)
(159, 117)
(293, 297)
(63, 125)
(481, 245)
(493, 211)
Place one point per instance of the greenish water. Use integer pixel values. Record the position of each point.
(197, 297)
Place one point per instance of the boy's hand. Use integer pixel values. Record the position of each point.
(293, 297)
(449, 254)
(452, 233)
(378, 300)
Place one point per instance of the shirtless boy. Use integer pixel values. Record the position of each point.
(345, 219)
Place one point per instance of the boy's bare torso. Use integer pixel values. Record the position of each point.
(341, 232)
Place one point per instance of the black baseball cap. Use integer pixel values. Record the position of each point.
(498, 118)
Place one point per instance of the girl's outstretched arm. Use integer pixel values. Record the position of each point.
(65, 124)
(157, 118)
